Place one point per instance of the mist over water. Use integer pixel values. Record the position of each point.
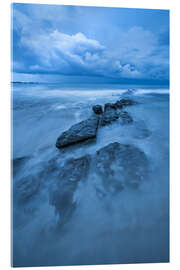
(130, 226)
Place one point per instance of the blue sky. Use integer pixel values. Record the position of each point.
(59, 43)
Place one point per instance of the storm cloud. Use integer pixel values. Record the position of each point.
(63, 40)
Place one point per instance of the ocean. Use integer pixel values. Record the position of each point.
(130, 226)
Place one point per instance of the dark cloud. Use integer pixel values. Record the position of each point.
(42, 44)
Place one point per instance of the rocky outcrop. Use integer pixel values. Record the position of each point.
(109, 106)
(120, 166)
(113, 111)
(110, 115)
(73, 171)
(79, 132)
(125, 102)
(125, 118)
(115, 167)
(97, 109)
(120, 104)
(87, 129)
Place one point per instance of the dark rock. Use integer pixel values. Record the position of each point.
(110, 115)
(118, 105)
(120, 166)
(125, 117)
(126, 102)
(79, 132)
(97, 109)
(75, 170)
(109, 106)
(71, 173)
(62, 200)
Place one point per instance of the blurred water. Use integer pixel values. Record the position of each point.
(131, 227)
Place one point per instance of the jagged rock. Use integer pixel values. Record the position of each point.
(71, 173)
(97, 109)
(118, 105)
(79, 132)
(120, 166)
(109, 117)
(125, 117)
(125, 102)
(87, 129)
(109, 106)
(110, 114)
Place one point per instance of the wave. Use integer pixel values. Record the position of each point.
(151, 91)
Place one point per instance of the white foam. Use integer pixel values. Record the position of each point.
(151, 91)
(59, 107)
(78, 93)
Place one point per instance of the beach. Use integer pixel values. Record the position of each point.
(101, 226)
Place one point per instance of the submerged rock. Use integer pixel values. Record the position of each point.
(97, 109)
(62, 200)
(125, 102)
(26, 188)
(73, 171)
(79, 132)
(18, 163)
(125, 117)
(120, 166)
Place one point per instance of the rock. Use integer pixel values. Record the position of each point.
(71, 173)
(118, 105)
(97, 109)
(110, 114)
(79, 132)
(108, 117)
(125, 102)
(109, 106)
(75, 170)
(125, 117)
(62, 200)
(120, 166)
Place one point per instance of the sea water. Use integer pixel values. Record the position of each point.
(131, 227)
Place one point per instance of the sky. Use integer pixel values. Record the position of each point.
(57, 43)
